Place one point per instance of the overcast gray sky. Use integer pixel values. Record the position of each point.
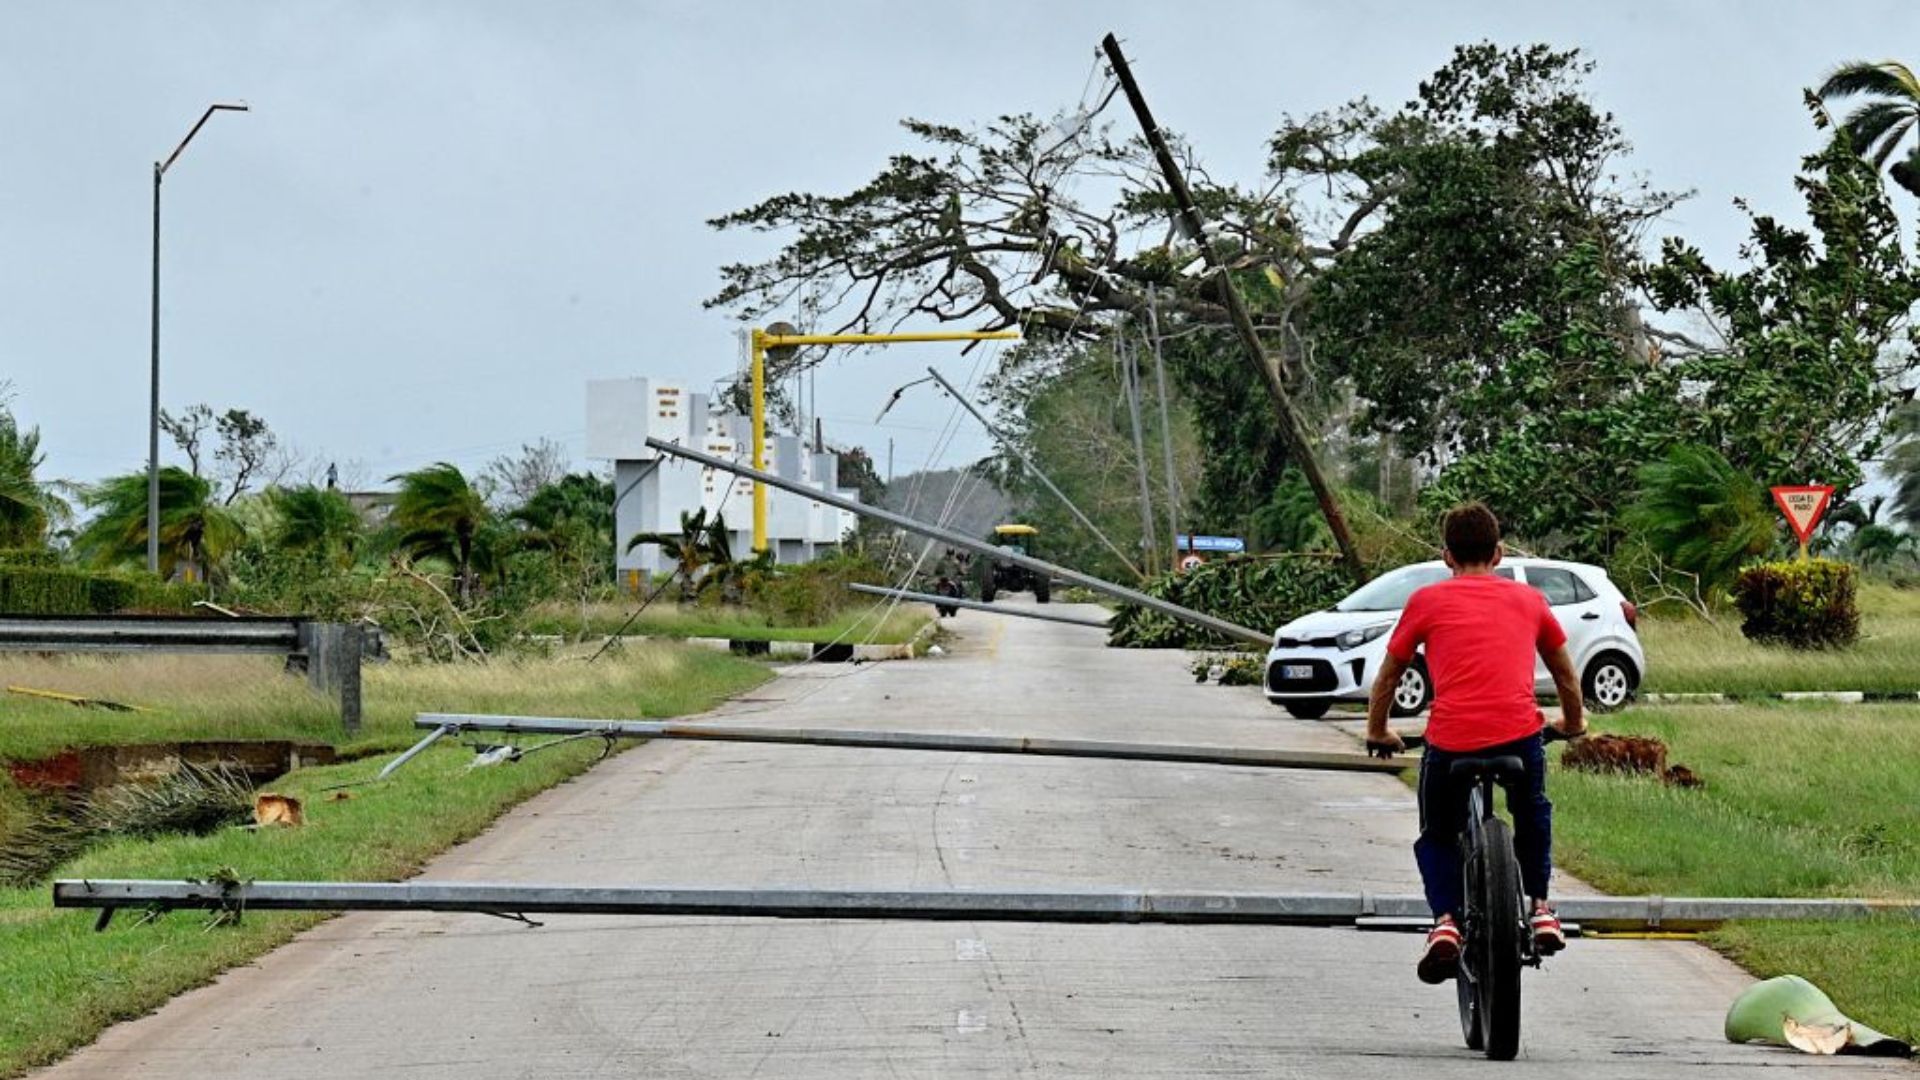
(440, 219)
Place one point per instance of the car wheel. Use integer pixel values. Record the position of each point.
(1308, 708)
(1610, 682)
(1415, 691)
(1042, 590)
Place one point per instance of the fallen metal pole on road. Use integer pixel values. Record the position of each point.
(1096, 906)
(960, 540)
(976, 605)
(451, 723)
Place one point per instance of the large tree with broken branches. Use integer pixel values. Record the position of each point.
(1383, 248)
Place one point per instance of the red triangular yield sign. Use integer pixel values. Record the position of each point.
(1803, 504)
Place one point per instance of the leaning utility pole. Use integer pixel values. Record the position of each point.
(1291, 425)
(1129, 358)
(1166, 431)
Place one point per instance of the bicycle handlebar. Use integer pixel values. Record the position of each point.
(1548, 733)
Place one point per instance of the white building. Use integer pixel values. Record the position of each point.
(651, 489)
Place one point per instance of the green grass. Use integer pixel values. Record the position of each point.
(870, 623)
(63, 983)
(224, 697)
(1686, 655)
(1800, 800)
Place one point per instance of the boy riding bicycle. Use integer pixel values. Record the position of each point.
(1481, 631)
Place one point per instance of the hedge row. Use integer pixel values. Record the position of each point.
(55, 590)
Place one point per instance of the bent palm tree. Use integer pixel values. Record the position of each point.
(439, 515)
(1877, 128)
(194, 528)
(1701, 514)
(313, 519)
(27, 507)
(700, 543)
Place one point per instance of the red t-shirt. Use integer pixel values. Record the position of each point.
(1481, 633)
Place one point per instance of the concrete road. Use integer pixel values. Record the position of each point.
(469, 996)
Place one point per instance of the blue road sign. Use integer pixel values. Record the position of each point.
(1229, 544)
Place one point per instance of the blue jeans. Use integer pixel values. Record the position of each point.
(1443, 817)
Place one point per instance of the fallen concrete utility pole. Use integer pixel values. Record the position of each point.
(960, 540)
(1099, 906)
(976, 605)
(453, 723)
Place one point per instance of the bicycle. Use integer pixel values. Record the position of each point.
(1491, 957)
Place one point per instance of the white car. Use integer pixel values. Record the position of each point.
(1331, 656)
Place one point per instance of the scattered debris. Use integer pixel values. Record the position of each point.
(1229, 669)
(340, 796)
(271, 809)
(1629, 755)
(74, 699)
(1790, 1011)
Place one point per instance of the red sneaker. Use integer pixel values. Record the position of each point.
(1441, 960)
(1548, 937)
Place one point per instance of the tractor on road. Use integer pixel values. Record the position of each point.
(995, 576)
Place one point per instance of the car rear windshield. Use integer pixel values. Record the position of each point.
(1389, 592)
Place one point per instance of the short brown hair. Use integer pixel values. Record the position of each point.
(1472, 533)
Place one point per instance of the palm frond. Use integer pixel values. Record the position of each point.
(1888, 77)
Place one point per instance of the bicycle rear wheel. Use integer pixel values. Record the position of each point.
(1502, 931)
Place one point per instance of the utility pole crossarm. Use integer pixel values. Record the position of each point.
(1291, 424)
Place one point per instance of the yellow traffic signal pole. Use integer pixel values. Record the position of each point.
(761, 341)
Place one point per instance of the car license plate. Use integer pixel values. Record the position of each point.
(1296, 671)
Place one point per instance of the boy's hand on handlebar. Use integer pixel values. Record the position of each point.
(1570, 728)
(1384, 743)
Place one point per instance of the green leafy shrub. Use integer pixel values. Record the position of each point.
(59, 590)
(36, 557)
(1807, 605)
(809, 594)
(1260, 593)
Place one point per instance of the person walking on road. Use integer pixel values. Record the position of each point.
(1480, 631)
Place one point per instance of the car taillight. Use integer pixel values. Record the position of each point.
(1632, 613)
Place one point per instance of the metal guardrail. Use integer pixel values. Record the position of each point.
(329, 654)
(449, 723)
(1630, 913)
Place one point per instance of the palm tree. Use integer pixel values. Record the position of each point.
(1702, 515)
(27, 507)
(1903, 462)
(700, 543)
(194, 529)
(439, 516)
(1877, 128)
(314, 519)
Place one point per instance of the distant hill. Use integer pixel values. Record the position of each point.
(924, 495)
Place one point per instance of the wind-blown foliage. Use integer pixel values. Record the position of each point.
(1877, 129)
(194, 528)
(439, 515)
(316, 520)
(28, 508)
(1702, 515)
(701, 546)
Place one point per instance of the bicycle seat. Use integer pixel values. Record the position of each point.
(1505, 767)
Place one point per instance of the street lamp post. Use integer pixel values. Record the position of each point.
(774, 337)
(153, 403)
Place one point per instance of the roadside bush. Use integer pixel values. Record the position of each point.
(57, 590)
(41, 557)
(809, 594)
(1260, 593)
(1806, 605)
